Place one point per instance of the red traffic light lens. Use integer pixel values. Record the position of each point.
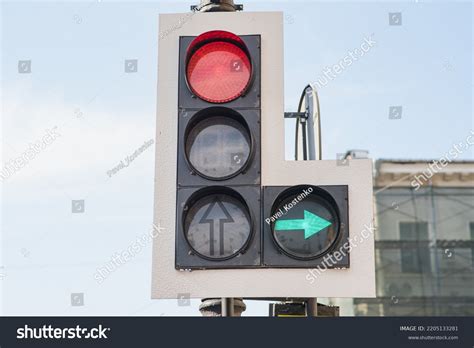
(218, 67)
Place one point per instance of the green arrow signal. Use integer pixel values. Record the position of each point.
(311, 224)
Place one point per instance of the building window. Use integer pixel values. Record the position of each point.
(415, 258)
(471, 227)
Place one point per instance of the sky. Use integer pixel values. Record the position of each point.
(98, 115)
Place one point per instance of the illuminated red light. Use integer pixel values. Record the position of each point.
(218, 67)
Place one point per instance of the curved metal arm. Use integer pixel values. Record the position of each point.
(311, 125)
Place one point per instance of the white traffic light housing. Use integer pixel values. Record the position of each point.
(214, 192)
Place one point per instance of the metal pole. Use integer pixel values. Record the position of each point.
(305, 142)
(310, 123)
(312, 307)
(313, 112)
(310, 154)
(227, 307)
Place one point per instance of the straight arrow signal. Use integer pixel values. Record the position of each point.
(311, 224)
(222, 215)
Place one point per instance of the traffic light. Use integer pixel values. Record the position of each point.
(219, 169)
(304, 225)
(221, 174)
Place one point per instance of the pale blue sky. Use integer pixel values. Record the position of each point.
(77, 52)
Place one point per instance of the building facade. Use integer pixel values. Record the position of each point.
(424, 240)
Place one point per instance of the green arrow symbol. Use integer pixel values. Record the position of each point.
(311, 224)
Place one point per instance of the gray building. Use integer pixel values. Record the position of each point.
(424, 240)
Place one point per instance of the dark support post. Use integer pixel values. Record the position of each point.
(227, 306)
(312, 307)
(222, 307)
